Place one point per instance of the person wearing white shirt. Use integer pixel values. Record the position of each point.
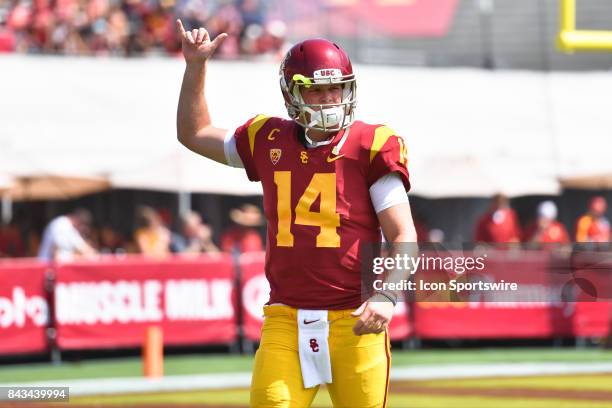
(63, 237)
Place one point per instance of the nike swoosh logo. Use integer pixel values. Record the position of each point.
(310, 321)
(331, 159)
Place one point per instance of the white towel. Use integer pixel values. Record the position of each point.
(313, 331)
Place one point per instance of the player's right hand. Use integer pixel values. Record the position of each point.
(196, 44)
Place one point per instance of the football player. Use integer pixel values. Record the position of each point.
(330, 183)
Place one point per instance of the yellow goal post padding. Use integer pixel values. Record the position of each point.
(570, 39)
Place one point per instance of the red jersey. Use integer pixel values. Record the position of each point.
(242, 239)
(555, 232)
(498, 226)
(317, 206)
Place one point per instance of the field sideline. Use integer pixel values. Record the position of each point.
(587, 390)
(203, 364)
(584, 391)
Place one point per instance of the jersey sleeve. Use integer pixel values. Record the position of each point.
(388, 154)
(245, 137)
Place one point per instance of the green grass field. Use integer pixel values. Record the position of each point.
(202, 364)
(568, 391)
(584, 391)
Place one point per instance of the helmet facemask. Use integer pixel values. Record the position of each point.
(324, 117)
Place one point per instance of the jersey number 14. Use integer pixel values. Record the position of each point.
(327, 219)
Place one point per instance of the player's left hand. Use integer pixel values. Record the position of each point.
(374, 316)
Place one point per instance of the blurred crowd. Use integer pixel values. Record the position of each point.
(135, 27)
(156, 234)
(499, 226)
(76, 235)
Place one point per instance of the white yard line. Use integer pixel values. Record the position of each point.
(102, 386)
(433, 372)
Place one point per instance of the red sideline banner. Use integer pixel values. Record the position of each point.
(481, 320)
(592, 319)
(255, 293)
(256, 290)
(401, 327)
(111, 303)
(507, 318)
(545, 315)
(24, 310)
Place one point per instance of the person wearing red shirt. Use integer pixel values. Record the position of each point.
(499, 224)
(11, 244)
(243, 236)
(546, 229)
(326, 194)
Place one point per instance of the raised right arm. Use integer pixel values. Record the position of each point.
(193, 124)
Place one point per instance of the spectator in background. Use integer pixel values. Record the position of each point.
(243, 235)
(499, 224)
(227, 19)
(252, 12)
(7, 36)
(33, 239)
(110, 241)
(195, 236)
(546, 229)
(11, 244)
(152, 237)
(264, 40)
(436, 236)
(594, 226)
(117, 31)
(63, 238)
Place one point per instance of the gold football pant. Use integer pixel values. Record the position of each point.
(360, 364)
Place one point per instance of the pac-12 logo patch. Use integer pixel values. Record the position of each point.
(275, 155)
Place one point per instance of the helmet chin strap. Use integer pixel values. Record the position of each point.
(336, 149)
(312, 143)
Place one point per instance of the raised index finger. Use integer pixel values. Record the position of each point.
(179, 26)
